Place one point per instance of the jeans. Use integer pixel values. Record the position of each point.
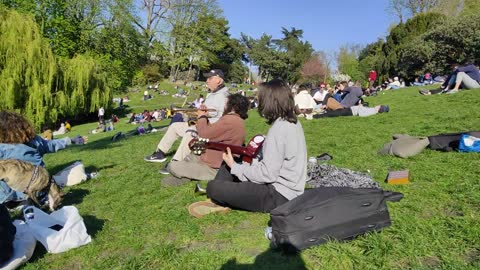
(7, 194)
(466, 81)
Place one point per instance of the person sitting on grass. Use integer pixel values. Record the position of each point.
(229, 129)
(466, 76)
(359, 110)
(275, 179)
(19, 141)
(214, 100)
(351, 97)
(304, 102)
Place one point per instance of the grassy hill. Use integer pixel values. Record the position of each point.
(137, 224)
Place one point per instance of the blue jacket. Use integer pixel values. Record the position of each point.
(31, 152)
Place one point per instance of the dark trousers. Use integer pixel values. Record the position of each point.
(227, 190)
(339, 112)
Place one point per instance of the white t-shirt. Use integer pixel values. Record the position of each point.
(145, 93)
(304, 100)
(320, 95)
(101, 112)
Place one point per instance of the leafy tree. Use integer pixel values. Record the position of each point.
(347, 60)
(34, 82)
(279, 58)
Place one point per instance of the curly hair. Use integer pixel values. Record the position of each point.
(275, 100)
(14, 128)
(239, 104)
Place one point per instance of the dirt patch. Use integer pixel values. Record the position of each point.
(215, 245)
(431, 262)
(472, 256)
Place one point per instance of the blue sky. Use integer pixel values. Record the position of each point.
(327, 24)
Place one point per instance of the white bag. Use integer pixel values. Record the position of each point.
(72, 235)
(71, 175)
(23, 246)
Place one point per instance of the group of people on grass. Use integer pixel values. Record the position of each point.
(466, 76)
(342, 100)
(267, 182)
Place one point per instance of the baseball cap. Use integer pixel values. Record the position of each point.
(214, 72)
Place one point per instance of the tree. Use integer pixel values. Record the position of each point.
(347, 61)
(314, 69)
(278, 58)
(34, 82)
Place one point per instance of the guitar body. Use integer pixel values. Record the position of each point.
(248, 153)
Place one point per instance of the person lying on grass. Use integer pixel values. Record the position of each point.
(19, 141)
(359, 110)
(274, 180)
(229, 129)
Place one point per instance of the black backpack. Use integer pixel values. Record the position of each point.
(448, 141)
(325, 213)
(7, 235)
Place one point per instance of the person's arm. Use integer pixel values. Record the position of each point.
(266, 170)
(211, 131)
(44, 146)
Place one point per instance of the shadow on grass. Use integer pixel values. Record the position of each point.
(270, 259)
(93, 168)
(74, 196)
(93, 224)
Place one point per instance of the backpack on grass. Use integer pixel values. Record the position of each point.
(449, 141)
(325, 213)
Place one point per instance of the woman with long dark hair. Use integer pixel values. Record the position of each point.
(275, 179)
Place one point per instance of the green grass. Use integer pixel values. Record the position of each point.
(137, 224)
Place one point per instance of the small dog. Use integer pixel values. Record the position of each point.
(18, 176)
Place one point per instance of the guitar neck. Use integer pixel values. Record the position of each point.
(239, 150)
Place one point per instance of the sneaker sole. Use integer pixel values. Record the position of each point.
(164, 173)
(155, 160)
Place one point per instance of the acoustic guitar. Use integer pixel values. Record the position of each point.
(252, 150)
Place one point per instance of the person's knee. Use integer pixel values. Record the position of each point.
(214, 189)
(175, 168)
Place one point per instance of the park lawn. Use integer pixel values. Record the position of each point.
(135, 223)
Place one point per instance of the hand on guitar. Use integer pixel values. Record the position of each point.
(203, 110)
(228, 158)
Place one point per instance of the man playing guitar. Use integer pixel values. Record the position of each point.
(229, 129)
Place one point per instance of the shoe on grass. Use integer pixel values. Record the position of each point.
(453, 91)
(164, 170)
(157, 156)
(172, 181)
(424, 92)
(203, 208)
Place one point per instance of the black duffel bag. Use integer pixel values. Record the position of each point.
(448, 141)
(7, 235)
(325, 213)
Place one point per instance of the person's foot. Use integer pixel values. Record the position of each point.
(172, 181)
(453, 91)
(424, 92)
(157, 156)
(164, 170)
(384, 109)
(200, 209)
(200, 190)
